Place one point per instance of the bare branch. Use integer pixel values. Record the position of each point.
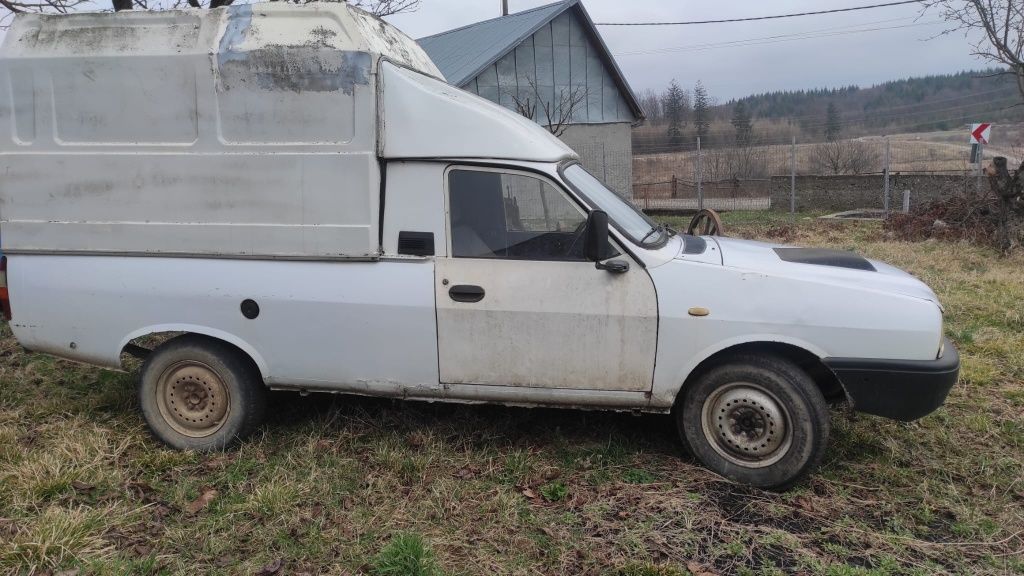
(558, 112)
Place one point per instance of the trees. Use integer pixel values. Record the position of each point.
(999, 27)
(701, 110)
(833, 124)
(675, 104)
(650, 103)
(8, 8)
(741, 122)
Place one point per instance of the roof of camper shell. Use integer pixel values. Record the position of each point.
(221, 30)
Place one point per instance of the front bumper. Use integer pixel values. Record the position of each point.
(898, 389)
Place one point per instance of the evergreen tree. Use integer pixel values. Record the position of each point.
(701, 110)
(741, 122)
(833, 124)
(674, 105)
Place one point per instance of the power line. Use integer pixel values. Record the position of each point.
(753, 18)
(767, 40)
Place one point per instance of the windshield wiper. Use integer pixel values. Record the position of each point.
(655, 230)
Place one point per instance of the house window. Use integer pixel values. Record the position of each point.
(512, 216)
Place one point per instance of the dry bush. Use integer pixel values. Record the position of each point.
(958, 217)
(845, 157)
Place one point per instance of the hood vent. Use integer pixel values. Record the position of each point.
(694, 245)
(825, 257)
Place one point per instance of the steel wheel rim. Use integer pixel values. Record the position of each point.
(193, 398)
(747, 425)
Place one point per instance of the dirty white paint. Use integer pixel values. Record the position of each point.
(426, 118)
(324, 325)
(547, 325)
(243, 131)
(757, 297)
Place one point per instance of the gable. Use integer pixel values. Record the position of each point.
(559, 63)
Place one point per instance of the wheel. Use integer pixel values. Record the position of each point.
(757, 420)
(197, 393)
(707, 222)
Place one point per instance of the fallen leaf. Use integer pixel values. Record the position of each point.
(465, 474)
(548, 531)
(142, 550)
(529, 493)
(805, 504)
(694, 567)
(270, 568)
(623, 514)
(81, 486)
(203, 501)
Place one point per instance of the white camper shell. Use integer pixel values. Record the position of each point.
(297, 196)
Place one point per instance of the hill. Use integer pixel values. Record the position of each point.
(924, 104)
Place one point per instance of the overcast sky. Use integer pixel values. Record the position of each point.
(651, 56)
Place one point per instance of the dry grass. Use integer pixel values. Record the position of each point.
(342, 485)
(925, 152)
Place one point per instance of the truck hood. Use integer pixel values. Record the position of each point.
(835, 267)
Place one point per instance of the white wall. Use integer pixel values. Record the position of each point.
(606, 150)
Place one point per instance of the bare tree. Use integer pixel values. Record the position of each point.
(554, 114)
(844, 157)
(650, 103)
(1001, 25)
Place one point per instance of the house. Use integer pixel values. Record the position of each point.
(550, 63)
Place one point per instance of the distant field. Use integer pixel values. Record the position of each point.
(347, 485)
(928, 152)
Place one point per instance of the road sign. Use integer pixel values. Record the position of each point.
(980, 133)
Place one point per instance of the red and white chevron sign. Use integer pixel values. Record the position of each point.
(980, 133)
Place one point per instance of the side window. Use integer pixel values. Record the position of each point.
(513, 216)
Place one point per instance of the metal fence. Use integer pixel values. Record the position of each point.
(863, 173)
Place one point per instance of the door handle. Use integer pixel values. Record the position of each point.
(466, 293)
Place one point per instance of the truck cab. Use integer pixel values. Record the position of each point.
(312, 208)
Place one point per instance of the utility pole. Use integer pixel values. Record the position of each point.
(504, 7)
(981, 156)
(700, 179)
(792, 178)
(885, 171)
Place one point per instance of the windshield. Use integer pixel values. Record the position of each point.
(626, 217)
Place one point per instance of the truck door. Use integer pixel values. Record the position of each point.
(519, 305)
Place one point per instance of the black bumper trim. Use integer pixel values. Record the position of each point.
(899, 389)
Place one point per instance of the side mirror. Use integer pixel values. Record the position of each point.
(596, 245)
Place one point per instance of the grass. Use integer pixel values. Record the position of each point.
(345, 485)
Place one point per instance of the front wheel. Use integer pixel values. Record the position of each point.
(197, 393)
(757, 420)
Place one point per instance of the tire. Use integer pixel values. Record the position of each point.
(756, 420)
(198, 393)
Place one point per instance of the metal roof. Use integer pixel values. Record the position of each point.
(463, 53)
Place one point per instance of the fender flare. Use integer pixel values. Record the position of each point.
(666, 394)
(239, 343)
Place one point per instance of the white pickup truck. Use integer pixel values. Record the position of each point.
(296, 196)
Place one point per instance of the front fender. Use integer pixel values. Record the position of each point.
(664, 396)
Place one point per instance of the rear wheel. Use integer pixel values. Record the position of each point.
(755, 420)
(197, 393)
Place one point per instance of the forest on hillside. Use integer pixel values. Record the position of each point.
(677, 115)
